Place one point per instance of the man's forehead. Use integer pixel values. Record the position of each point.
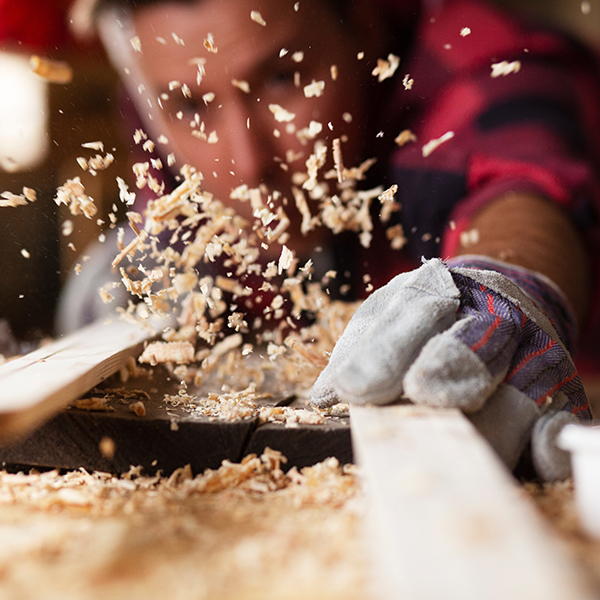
(226, 32)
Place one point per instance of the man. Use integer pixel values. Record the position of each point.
(495, 168)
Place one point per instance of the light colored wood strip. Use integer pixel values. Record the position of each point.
(35, 386)
(447, 520)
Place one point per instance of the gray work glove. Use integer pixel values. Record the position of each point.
(466, 338)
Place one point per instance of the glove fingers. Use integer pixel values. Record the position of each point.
(323, 393)
(550, 462)
(462, 367)
(374, 372)
(506, 421)
(384, 336)
(448, 374)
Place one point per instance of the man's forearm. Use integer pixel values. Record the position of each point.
(532, 232)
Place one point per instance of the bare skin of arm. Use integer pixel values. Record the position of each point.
(532, 232)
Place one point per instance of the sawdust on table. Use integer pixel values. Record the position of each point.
(243, 531)
(556, 501)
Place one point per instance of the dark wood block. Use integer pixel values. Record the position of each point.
(306, 444)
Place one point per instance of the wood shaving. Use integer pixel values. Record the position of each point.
(505, 68)
(98, 146)
(314, 89)
(107, 447)
(433, 145)
(404, 137)
(136, 44)
(281, 115)
(168, 352)
(53, 71)
(73, 195)
(241, 85)
(286, 260)
(8, 199)
(209, 43)
(338, 159)
(257, 17)
(138, 408)
(100, 403)
(469, 237)
(386, 68)
(408, 82)
(395, 235)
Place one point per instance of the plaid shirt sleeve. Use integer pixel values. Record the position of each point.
(534, 129)
(529, 130)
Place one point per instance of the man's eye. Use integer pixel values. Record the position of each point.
(180, 106)
(283, 77)
(280, 80)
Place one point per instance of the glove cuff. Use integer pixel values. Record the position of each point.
(540, 289)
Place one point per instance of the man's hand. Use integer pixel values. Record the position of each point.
(462, 338)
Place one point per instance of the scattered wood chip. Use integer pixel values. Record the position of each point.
(386, 68)
(257, 17)
(432, 145)
(505, 68)
(168, 352)
(53, 71)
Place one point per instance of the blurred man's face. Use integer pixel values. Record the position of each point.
(253, 66)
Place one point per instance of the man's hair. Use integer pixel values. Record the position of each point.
(133, 4)
(339, 6)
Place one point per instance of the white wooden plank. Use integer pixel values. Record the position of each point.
(36, 385)
(447, 519)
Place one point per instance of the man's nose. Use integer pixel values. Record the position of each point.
(249, 142)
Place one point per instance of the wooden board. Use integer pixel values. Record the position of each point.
(37, 385)
(168, 437)
(447, 520)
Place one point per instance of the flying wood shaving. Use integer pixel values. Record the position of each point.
(386, 68)
(98, 146)
(338, 159)
(404, 137)
(286, 259)
(281, 115)
(209, 43)
(395, 235)
(136, 44)
(72, 194)
(181, 353)
(388, 204)
(432, 145)
(125, 195)
(408, 82)
(8, 199)
(53, 71)
(505, 68)
(135, 244)
(97, 163)
(314, 89)
(257, 17)
(241, 85)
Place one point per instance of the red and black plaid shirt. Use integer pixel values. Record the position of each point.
(535, 130)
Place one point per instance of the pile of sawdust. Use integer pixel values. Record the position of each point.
(243, 531)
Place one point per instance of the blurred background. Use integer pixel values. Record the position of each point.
(42, 127)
